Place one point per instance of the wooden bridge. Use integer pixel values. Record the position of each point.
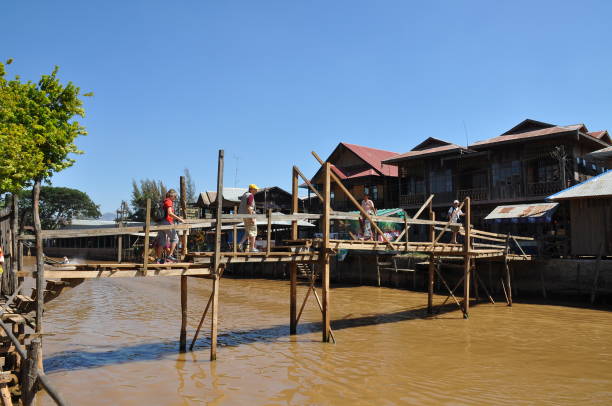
(52, 280)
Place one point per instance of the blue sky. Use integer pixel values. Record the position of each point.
(269, 81)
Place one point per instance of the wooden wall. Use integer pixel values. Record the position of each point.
(591, 224)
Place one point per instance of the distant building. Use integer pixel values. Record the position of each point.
(361, 170)
(273, 197)
(519, 166)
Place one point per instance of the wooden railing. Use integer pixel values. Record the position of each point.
(412, 199)
(474, 194)
(542, 188)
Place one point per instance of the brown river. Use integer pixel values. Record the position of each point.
(115, 342)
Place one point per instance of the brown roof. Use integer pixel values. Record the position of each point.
(529, 134)
(444, 149)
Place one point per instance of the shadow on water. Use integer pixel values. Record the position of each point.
(79, 359)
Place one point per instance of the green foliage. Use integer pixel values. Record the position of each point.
(37, 128)
(190, 186)
(58, 206)
(148, 189)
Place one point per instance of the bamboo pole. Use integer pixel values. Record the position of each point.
(430, 284)
(467, 247)
(507, 268)
(316, 192)
(293, 266)
(418, 213)
(216, 260)
(40, 268)
(184, 215)
(183, 334)
(145, 259)
(14, 241)
(355, 202)
(324, 262)
(269, 233)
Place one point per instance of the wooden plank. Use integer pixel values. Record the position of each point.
(316, 192)
(121, 273)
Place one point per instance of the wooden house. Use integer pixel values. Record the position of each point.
(590, 204)
(362, 171)
(525, 164)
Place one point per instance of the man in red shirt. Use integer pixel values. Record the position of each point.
(168, 239)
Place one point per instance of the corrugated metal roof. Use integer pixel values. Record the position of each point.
(597, 186)
(528, 213)
(601, 153)
(230, 195)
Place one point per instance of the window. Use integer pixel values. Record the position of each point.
(372, 191)
(441, 181)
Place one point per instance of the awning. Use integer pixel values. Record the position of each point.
(523, 213)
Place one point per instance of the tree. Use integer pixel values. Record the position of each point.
(148, 189)
(58, 206)
(37, 129)
(190, 186)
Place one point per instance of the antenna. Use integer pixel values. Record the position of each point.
(467, 138)
(236, 159)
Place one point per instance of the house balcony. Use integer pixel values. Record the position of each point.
(474, 194)
(412, 199)
(543, 188)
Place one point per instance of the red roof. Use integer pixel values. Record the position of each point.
(427, 152)
(374, 158)
(597, 134)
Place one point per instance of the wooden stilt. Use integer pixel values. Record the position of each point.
(183, 335)
(484, 287)
(450, 291)
(430, 284)
(467, 247)
(508, 281)
(40, 270)
(145, 259)
(216, 260)
(293, 320)
(475, 279)
(324, 263)
(596, 276)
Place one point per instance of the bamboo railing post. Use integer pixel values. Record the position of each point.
(406, 228)
(507, 269)
(430, 283)
(293, 265)
(216, 260)
(325, 254)
(269, 232)
(467, 247)
(40, 268)
(184, 215)
(416, 216)
(145, 259)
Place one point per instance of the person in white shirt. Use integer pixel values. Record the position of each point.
(454, 213)
(368, 206)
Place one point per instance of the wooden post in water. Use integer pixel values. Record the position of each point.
(145, 258)
(216, 260)
(293, 264)
(507, 268)
(430, 283)
(432, 228)
(324, 261)
(269, 233)
(467, 247)
(183, 332)
(40, 268)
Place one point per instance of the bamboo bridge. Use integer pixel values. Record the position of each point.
(53, 280)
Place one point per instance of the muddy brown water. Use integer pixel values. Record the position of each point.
(115, 342)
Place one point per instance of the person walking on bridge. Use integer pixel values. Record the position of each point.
(168, 239)
(454, 213)
(247, 206)
(368, 207)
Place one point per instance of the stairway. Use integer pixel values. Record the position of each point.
(53, 289)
